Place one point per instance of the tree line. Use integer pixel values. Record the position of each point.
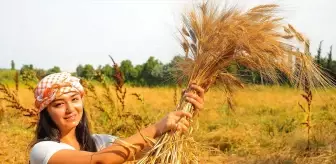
(151, 73)
(154, 73)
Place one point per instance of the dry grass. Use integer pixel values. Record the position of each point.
(260, 131)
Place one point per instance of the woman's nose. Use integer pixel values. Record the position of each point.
(70, 107)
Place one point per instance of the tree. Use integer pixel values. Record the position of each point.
(126, 67)
(170, 74)
(107, 71)
(88, 72)
(175, 72)
(157, 71)
(319, 50)
(55, 69)
(168, 77)
(139, 80)
(79, 70)
(148, 73)
(28, 73)
(176, 60)
(329, 63)
(26, 67)
(40, 73)
(12, 65)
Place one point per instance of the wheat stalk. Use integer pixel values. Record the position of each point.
(16, 79)
(307, 76)
(175, 95)
(107, 91)
(140, 98)
(13, 102)
(119, 83)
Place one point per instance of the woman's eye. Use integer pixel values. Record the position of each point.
(75, 99)
(58, 105)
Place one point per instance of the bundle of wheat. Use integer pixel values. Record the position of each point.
(212, 40)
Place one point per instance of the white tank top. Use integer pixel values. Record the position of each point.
(42, 151)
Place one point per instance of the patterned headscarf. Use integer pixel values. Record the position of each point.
(55, 85)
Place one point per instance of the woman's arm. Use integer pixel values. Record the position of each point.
(123, 152)
(118, 152)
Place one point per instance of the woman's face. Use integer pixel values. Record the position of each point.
(66, 110)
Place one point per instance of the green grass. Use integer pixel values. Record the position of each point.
(7, 76)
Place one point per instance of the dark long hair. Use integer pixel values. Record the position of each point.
(47, 130)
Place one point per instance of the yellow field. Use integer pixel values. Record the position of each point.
(264, 128)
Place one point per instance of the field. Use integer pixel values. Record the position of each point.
(265, 127)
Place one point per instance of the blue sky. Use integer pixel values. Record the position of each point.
(66, 33)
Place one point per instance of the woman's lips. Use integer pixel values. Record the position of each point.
(71, 117)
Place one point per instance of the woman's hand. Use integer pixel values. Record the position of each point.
(197, 100)
(178, 120)
(174, 121)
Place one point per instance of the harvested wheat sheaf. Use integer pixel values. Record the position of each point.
(212, 40)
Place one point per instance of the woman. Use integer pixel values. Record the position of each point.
(63, 135)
